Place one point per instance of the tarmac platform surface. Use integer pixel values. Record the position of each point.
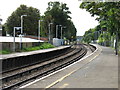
(98, 70)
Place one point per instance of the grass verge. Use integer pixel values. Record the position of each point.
(5, 52)
(42, 46)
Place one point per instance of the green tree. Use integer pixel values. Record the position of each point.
(58, 14)
(107, 12)
(3, 30)
(108, 15)
(88, 36)
(30, 25)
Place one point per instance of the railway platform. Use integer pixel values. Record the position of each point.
(32, 52)
(23, 59)
(97, 70)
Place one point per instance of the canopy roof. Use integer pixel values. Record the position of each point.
(17, 39)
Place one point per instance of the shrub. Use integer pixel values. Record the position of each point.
(5, 52)
(42, 46)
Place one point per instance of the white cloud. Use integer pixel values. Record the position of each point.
(81, 19)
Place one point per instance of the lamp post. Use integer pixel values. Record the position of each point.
(22, 23)
(14, 41)
(49, 31)
(0, 21)
(39, 29)
(21, 30)
(15, 28)
(61, 27)
(116, 43)
(0, 27)
(61, 30)
(57, 30)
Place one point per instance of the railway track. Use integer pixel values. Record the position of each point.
(14, 79)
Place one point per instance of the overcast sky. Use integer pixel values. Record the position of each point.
(81, 19)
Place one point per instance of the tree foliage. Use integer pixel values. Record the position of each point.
(30, 22)
(88, 36)
(108, 14)
(58, 14)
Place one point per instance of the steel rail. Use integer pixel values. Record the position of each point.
(53, 66)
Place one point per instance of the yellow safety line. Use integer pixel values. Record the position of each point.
(59, 80)
(64, 85)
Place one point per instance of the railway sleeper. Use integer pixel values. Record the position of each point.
(57, 62)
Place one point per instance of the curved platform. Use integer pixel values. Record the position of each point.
(19, 60)
(32, 52)
(97, 70)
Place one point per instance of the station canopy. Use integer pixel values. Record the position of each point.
(18, 39)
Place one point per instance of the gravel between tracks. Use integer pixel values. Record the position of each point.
(39, 71)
